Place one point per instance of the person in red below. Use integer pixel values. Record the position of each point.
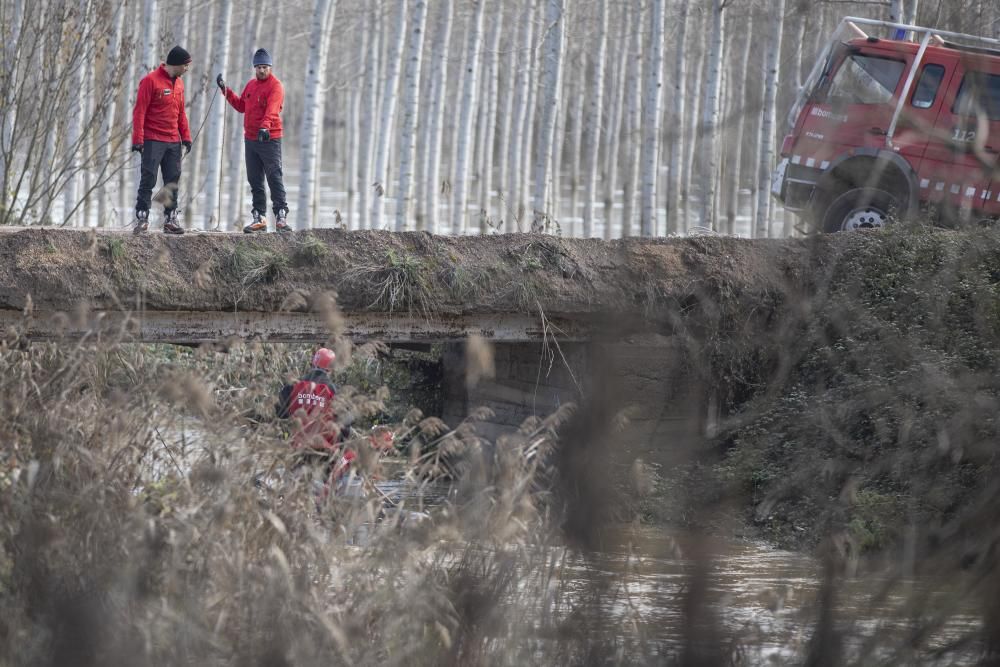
(260, 103)
(159, 129)
(317, 437)
(310, 400)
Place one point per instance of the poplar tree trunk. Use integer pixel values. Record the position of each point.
(516, 179)
(797, 47)
(561, 143)
(126, 190)
(387, 121)
(651, 120)
(181, 23)
(676, 216)
(463, 144)
(489, 130)
(207, 99)
(549, 100)
(710, 118)
(312, 112)
(324, 121)
(577, 93)
(411, 106)
(214, 142)
(633, 124)
(150, 56)
(11, 33)
(616, 108)
(531, 129)
(508, 74)
(895, 10)
(435, 126)
(232, 215)
(369, 111)
(107, 145)
(693, 133)
(353, 135)
(74, 132)
(762, 224)
(593, 141)
(740, 112)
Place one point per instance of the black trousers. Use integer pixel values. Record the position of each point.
(264, 161)
(164, 156)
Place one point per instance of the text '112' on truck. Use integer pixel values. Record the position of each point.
(896, 126)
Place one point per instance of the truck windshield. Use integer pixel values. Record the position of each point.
(865, 79)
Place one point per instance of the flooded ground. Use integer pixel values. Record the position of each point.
(761, 604)
(336, 208)
(763, 601)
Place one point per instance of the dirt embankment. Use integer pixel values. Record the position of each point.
(634, 279)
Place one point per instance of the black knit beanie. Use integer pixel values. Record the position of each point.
(178, 56)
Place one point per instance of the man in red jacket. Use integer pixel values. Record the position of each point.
(159, 129)
(260, 103)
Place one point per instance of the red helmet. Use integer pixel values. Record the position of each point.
(323, 358)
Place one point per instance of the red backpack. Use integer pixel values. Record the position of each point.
(312, 403)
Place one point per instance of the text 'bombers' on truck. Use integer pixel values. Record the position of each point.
(892, 126)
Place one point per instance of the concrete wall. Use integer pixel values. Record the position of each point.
(666, 402)
(528, 381)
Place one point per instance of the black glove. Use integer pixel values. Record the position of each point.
(187, 147)
(263, 134)
(137, 148)
(220, 82)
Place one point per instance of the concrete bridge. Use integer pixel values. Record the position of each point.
(545, 302)
(410, 287)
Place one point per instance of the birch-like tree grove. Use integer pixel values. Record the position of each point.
(535, 113)
(312, 112)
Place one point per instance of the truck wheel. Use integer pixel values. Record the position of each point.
(859, 208)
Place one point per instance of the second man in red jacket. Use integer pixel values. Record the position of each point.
(260, 103)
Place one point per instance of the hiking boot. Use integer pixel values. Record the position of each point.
(281, 224)
(141, 223)
(259, 223)
(170, 224)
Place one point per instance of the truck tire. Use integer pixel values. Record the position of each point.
(860, 208)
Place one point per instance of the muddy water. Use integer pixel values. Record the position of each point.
(763, 601)
(334, 205)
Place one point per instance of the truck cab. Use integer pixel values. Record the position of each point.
(888, 127)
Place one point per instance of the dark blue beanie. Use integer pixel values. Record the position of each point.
(262, 57)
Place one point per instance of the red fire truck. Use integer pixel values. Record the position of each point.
(891, 126)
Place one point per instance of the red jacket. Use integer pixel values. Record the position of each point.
(159, 114)
(261, 102)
